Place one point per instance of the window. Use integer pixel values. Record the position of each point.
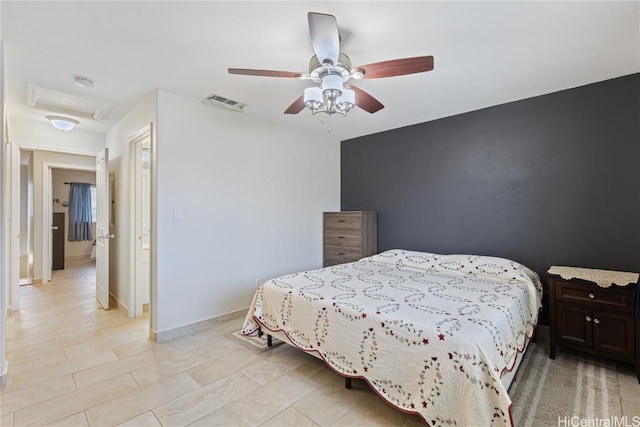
(93, 204)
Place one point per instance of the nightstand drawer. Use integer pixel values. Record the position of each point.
(342, 237)
(349, 221)
(595, 296)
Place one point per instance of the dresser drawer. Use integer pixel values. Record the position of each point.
(348, 221)
(334, 254)
(342, 237)
(595, 296)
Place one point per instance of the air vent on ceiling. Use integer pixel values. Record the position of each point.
(223, 103)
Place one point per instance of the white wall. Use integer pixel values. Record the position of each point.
(60, 191)
(251, 194)
(117, 140)
(43, 136)
(41, 157)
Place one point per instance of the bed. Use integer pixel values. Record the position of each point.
(436, 335)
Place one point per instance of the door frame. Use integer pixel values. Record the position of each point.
(29, 195)
(135, 248)
(103, 231)
(13, 244)
(47, 209)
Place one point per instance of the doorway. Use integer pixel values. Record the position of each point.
(49, 196)
(26, 217)
(43, 209)
(140, 173)
(67, 247)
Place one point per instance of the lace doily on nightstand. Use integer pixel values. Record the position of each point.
(603, 278)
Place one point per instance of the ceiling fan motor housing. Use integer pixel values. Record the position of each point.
(343, 68)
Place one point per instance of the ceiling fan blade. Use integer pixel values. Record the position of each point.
(366, 101)
(324, 37)
(264, 73)
(397, 67)
(296, 107)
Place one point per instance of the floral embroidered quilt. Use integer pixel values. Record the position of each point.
(432, 334)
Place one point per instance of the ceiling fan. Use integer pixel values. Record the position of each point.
(330, 69)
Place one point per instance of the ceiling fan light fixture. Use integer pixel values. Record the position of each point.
(313, 98)
(63, 124)
(357, 74)
(331, 97)
(346, 101)
(332, 85)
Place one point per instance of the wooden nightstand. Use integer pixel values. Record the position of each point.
(594, 319)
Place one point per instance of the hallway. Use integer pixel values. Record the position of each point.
(60, 331)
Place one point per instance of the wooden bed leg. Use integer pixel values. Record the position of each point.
(269, 341)
(260, 332)
(347, 383)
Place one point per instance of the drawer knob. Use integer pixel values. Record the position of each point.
(596, 321)
(588, 319)
(341, 220)
(341, 253)
(592, 296)
(340, 237)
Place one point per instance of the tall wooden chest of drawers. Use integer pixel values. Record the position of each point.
(591, 319)
(349, 236)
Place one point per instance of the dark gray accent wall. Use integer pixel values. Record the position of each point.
(548, 180)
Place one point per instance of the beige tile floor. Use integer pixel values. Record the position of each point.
(72, 364)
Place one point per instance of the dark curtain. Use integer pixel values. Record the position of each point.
(80, 212)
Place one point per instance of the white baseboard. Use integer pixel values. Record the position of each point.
(77, 257)
(119, 304)
(195, 327)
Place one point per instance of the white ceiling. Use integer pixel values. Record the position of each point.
(486, 53)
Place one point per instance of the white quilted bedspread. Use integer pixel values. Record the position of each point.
(431, 334)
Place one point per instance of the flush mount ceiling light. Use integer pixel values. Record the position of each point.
(62, 123)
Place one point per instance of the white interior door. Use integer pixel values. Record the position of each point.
(102, 228)
(14, 222)
(141, 210)
(47, 211)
